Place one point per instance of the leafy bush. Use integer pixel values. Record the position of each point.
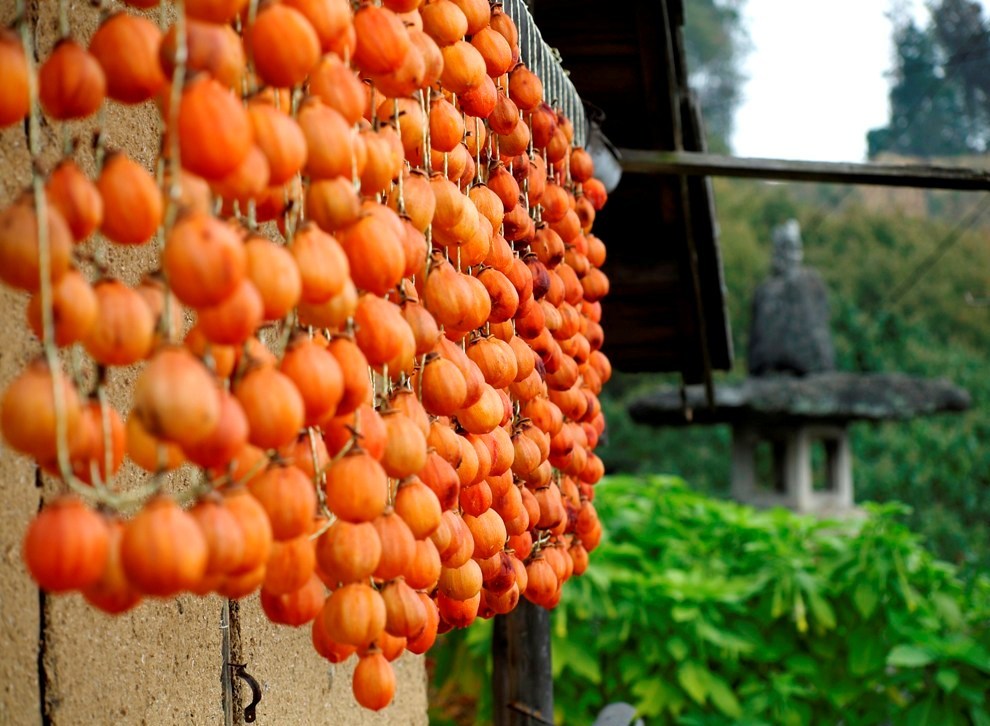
(701, 611)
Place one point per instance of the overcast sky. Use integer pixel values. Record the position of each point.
(817, 77)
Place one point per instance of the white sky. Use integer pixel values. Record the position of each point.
(816, 77)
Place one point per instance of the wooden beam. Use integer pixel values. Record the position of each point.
(522, 678)
(919, 176)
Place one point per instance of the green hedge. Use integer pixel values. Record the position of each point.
(701, 611)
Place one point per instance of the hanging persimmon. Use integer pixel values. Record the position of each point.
(273, 406)
(317, 376)
(71, 83)
(405, 616)
(211, 48)
(283, 45)
(356, 487)
(255, 527)
(20, 262)
(332, 150)
(235, 318)
(279, 138)
(30, 417)
(444, 22)
(322, 262)
(382, 40)
(74, 309)
(225, 541)
(163, 551)
(15, 100)
(375, 254)
(214, 129)
(354, 614)
(124, 329)
(330, 19)
(324, 644)
(348, 552)
(337, 86)
(495, 49)
(204, 259)
(425, 640)
(409, 77)
(77, 198)
(176, 398)
(112, 593)
(398, 545)
(274, 274)
(291, 564)
(132, 202)
(126, 46)
(66, 546)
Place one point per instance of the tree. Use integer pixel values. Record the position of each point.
(927, 112)
(940, 97)
(715, 44)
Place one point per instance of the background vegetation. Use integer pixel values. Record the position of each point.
(707, 612)
(881, 322)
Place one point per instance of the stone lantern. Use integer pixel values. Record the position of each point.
(790, 417)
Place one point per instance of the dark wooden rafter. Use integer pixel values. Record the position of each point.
(917, 176)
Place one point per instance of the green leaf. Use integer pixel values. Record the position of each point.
(908, 656)
(800, 614)
(947, 679)
(723, 638)
(822, 611)
(975, 655)
(681, 614)
(655, 696)
(866, 652)
(948, 609)
(979, 716)
(678, 649)
(694, 680)
(723, 698)
(803, 664)
(865, 597)
(778, 608)
(580, 660)
(632, 668)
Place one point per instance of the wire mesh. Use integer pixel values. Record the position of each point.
(545, 62)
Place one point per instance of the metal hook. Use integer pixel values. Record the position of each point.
(241, 672)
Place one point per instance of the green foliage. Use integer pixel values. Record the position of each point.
(701, 611)
(938, 465)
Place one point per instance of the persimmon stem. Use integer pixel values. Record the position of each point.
(106, 429)
(401, 205)
(45, 257)
(63, 19)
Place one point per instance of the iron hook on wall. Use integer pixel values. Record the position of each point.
(240, 670)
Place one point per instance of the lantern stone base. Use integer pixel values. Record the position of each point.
(778, 466)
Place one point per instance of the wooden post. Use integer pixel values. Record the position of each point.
(522, 678)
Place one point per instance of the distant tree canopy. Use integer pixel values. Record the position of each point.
(940, 94)
(716, 43)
